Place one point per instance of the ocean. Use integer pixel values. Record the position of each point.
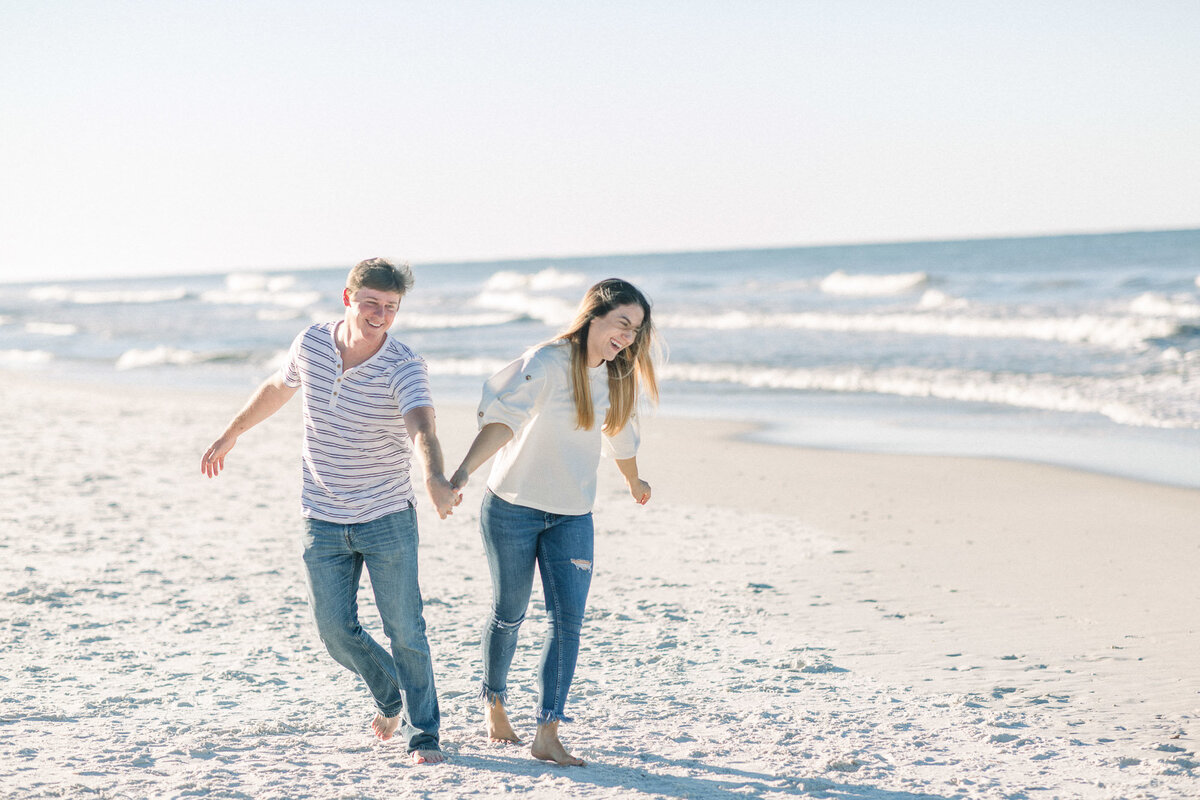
(1081, 351)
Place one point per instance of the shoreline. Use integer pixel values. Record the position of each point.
(1145, 455)
(1044, 544)
(906, 426)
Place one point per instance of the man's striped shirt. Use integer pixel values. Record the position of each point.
(357, 451)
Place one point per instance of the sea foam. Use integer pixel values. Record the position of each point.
(548, 309)
(51, 328)
(465, 367)
(25, 358)
(420, 321)
(1160, 401)
(61, 294)
(172, 356)
(157, 356)
(252, 288)
(1116, 332)
(261, 298)
(547, 280)
(1155, 304)
(840, 283)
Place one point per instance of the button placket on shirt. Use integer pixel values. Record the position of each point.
(337, 385)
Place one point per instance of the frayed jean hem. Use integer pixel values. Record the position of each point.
(490, 697)
(545, 717)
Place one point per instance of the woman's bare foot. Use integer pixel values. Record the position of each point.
(499, 729)
(384, 727)
(547, 747)
(428, 757)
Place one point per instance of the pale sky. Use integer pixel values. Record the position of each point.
(170, 137)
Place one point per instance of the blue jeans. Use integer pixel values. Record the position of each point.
(515, 538)
(400, 681)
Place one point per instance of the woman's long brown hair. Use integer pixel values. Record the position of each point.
(631, 369)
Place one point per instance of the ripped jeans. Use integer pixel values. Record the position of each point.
(515, 538)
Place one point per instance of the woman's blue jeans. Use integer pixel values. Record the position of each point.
(401, 681)
(515, 538)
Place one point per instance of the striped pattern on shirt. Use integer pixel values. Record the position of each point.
(357, 452)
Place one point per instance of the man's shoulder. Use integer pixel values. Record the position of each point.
(315, 339)
(397, 352)
(318, 330)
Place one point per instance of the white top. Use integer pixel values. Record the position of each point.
(356, 451)
(549, 464)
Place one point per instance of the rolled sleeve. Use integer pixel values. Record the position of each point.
(511, 396)
(410, 385)
(624, 443)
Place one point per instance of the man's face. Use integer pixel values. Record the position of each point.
(370, 312)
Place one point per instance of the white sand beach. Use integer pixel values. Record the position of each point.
(777, 623)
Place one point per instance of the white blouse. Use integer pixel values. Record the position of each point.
(549, 464)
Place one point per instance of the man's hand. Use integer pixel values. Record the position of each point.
(213, 460)
(266, 400)
(444, 496)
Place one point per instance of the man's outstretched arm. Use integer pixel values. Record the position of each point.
(423, 430)
(266, 400)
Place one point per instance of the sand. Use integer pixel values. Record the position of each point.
(777, 623)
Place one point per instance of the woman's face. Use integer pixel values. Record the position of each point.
(613, 332)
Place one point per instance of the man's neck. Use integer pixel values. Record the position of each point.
(354, 350)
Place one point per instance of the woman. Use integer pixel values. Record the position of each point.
(549, 414)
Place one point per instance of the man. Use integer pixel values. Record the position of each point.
(366, 403)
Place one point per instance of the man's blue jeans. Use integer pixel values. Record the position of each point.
(515, 538)
(400, 681)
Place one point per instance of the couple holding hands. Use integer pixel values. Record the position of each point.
(547, 417)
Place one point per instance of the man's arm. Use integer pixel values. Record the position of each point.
(422, 428)
(266, 400)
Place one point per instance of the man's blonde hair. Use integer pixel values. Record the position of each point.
(381, 275)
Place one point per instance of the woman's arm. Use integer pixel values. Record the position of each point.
(490, 438)
(637, 487)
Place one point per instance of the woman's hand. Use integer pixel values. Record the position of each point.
(637, 487)
(459, 479)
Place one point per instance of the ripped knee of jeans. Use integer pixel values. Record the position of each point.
(504, 624)
(582, 564)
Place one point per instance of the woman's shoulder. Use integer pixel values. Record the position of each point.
(549, 354)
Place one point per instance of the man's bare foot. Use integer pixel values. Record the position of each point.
(428, 757)
(547, 747)
(499, 729)
(384, 727)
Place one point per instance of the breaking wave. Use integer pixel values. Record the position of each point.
(465, 367)
(548, 309)
(171, 356)
(1154, 304)
(1117, 332)
(1157, 401)
(255, 289)
(840, 283)
(51, 328)
(25, 358)
(61, 294)
(547, 280)
(420, 321)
